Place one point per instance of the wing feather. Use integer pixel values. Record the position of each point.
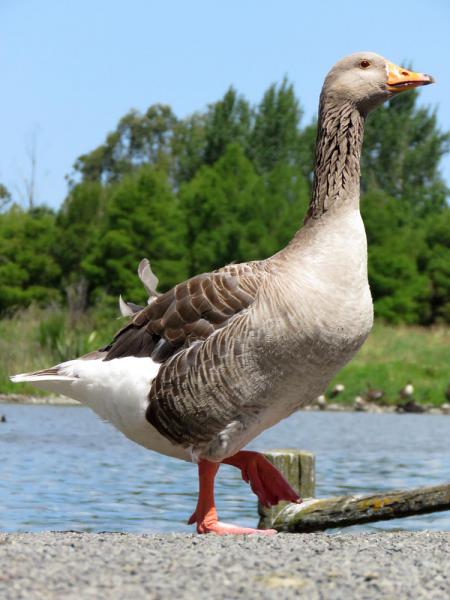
(196, 394)
(190, 311)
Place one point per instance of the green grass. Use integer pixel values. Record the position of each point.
(36, 338)
(392, 356)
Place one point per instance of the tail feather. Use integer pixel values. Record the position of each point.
(117, 390)
(49, 380)
(148, 278)
(31, 377)
(58, 372)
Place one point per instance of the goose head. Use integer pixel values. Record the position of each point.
(366, 80)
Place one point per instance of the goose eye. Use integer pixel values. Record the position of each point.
(364, 64)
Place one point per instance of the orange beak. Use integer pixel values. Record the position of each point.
(400, 79)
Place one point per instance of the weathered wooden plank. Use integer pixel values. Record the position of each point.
(298, 467)
(342, 511)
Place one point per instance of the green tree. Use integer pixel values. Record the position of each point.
(188, 148)
(227, 121)
(275, 137)
(28, 269)
(5, 196)
(436, 265)
(287, 195)
(306, 151)
(138, 139)
(142, 219)
(403, 148)
(233, 214)
(220, 205)
(399, 288)
(78, 223)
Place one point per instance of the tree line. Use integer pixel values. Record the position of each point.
(230, 183)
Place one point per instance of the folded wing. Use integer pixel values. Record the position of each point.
(190, 311)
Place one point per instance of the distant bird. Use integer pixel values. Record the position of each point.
(321, 401)
(338, 389)
(410, 406)
(407, 391)
(373, 395)
(210, 364)
(359, 403)
(2, 419)
(447, 392)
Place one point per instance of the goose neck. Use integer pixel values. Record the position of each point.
(338, 153)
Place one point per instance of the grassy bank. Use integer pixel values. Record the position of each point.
(391, 357)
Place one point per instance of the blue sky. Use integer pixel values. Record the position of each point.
(70, 70)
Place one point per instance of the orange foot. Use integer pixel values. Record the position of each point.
(265, 480)
(205, 514)
(210, 524)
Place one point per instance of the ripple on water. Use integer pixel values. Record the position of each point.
(62, 468)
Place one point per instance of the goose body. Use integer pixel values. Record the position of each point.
(207, 366)
(300, 337)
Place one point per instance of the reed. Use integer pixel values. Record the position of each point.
(35, 338)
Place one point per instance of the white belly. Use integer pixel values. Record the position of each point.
(117, 391)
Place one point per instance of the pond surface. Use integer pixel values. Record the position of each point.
(63, 469)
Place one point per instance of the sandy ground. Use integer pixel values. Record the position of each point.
(123, 566)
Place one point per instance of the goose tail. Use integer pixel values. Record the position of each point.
(50, 380)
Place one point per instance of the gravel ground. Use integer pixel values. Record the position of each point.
(69, 565)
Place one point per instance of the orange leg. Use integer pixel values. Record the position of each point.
(265, 480)
(205, 514)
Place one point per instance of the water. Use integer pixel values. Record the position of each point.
(63, 469)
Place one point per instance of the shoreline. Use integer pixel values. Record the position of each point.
(24, 399)
(369, 407)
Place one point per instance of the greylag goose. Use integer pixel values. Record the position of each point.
(373, 394)
(338, 389)
(208, 365)
(407, 391)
